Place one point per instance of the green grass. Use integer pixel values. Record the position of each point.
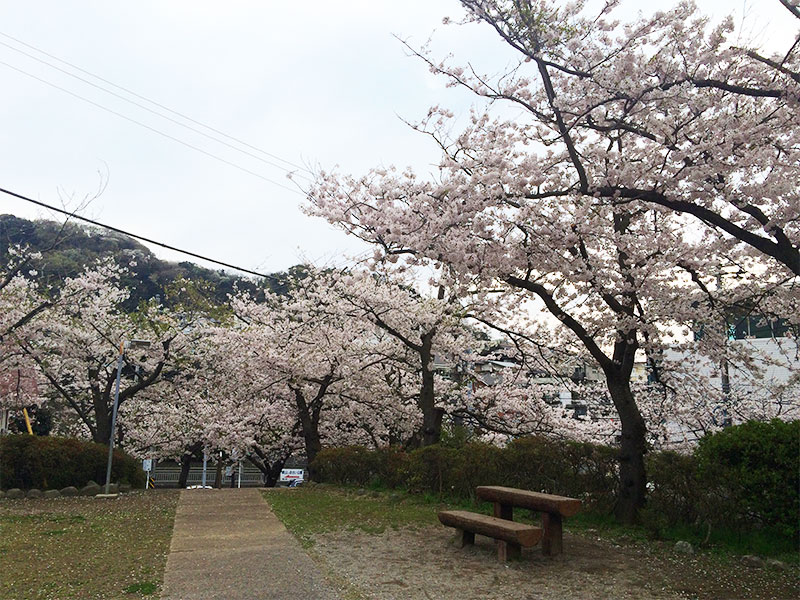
(145, 589)
(726, 542)
(312, 510)
(85, 548)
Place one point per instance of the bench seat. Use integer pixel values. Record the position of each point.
(511, 536)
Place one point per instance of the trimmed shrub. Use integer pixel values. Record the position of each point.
(349, 465)
(674, 486)
(429, 469)
(454, 471)
(750, 472)
(675, 495)
(55, 462)
(391, 467)
(578, 470)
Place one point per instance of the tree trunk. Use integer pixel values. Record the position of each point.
(218, 474)
(186, 464)
(632, 475)
(431, 430)
(313, 443)
(309, 421)
(271, 471)
(102, 432)
(313, 446)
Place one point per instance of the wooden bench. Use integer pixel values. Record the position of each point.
(511, 536)
(553, 509)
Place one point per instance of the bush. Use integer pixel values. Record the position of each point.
(54, 462)
(675, 490)
(750, 472)
(579, 470)
(391, 467)
(350, 465)
(454, 471)
(537, 463)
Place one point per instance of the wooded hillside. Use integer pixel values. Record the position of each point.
(67, 249)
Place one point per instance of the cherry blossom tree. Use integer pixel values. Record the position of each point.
(79, 342)
(585, 202)
(428, 327)
(224, 400)
(306, 343)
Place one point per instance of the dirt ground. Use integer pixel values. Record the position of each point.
(425, 564)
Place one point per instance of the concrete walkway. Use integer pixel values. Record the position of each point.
(227, 544)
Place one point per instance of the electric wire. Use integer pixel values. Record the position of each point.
(136, 236)
(155, 112)
(141, 97)
(153, 129)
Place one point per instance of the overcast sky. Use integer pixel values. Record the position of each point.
(315, 83)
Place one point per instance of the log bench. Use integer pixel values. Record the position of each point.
(511, 536)
(553, 510)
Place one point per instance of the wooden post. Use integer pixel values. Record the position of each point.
(507, 550)
(467, 538)
(504, 511)
(552, 540)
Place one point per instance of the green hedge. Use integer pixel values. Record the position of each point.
(752, 472)
(55, 462)
(744, 477)
(538, 463)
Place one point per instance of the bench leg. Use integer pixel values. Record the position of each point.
(552, 537)
(466, 538)
(507, 550)
(504, 511)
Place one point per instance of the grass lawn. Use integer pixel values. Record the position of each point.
(309, 511)
(85, 547)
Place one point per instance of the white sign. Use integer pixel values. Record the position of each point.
(147, 464)
(291, 474)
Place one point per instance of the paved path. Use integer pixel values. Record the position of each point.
(228, 545)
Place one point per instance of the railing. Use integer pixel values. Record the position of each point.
(166, 476)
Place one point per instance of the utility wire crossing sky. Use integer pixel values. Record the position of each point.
(91, 89)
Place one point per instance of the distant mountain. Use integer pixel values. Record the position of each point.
(68, 249)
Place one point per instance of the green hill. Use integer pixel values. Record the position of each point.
(68, 249)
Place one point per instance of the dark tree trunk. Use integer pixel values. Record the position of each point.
(218, 474)
(186, 464)
(102, 432)
(632, 474)
(309, 415)
(273, 474)
(313, 446)
(271, 471)
(431, 431)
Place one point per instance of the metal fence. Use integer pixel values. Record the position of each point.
(166, 475)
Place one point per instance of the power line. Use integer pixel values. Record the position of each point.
(153, 129)
(150, 110)
(138, 237)
(141, 97)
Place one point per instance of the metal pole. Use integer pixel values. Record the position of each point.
(205, 464)
(114, 417)
(240, 475)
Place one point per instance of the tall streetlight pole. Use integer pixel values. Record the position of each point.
(122, 346)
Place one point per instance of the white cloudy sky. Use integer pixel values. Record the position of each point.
(315, 82)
